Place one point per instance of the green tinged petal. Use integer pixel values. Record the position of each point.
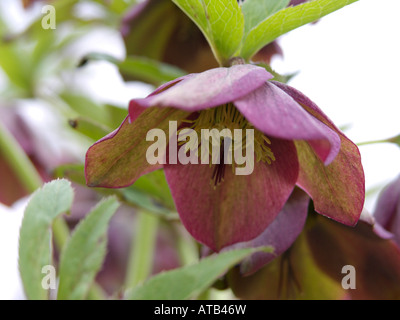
(119, 159)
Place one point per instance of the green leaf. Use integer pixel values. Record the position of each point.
(88, 127)
(73, 172)
(35, 249)
(221, 22)
(17, 66)
(151, 192)
(255, 11)
(119, 6)
(189, 281)
(84, 253)
(146, 201)
(148, 70)
(93, 119)
(286, 20)
(155, 183)
(85, 106)
(140, 68)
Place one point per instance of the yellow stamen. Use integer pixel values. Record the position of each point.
(228, 117)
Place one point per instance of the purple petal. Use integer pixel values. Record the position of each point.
(136, 109)
(387, 210)
(242, 206)
(277, 114)
(170, 84)
(296, 2)
(307, 104)
(280, 234)
(378, 229)
(209, 89)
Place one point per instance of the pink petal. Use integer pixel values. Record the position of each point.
(277, 114)
(338, 190)
(242, 206)
(135, 109)
(307, 104)
(209, 89)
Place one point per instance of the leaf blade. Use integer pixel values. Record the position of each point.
(187, 282)
(45, 205)
(84, 253)
(286, 20)
(221, 22)
(255, 11)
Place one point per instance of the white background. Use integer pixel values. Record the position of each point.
(349, 64)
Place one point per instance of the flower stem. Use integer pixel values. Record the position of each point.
(365, 143)
(142, 249)
(188, 253)
(395, 140)
(60, 232)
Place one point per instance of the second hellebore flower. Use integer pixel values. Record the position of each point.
(294, 144)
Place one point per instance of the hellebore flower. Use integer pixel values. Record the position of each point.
(294, 143)
(387, 210)
(315, 262)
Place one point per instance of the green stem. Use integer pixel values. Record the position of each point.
(60, 232)
(18, 160)
(187, 250)
(142, 249)
(372, 142)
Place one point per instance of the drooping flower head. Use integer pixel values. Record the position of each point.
(294, 143)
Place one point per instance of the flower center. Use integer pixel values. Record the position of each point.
(229, 128)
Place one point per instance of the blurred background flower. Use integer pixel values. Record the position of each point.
(55, 109)
(387, 210)
(312, 267)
